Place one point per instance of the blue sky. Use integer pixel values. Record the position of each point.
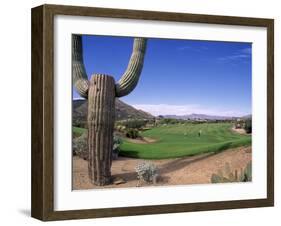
(179, 76)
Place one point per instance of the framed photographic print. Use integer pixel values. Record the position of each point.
(141, 112)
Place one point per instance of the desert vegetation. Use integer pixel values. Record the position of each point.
(248, 126)
(131, 127)
(226, 175)
(147, 172)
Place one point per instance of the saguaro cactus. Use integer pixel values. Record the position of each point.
(101, 91)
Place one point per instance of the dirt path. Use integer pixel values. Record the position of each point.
(189, 170)
(141, 140)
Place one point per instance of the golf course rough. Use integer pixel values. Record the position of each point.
(173, 141)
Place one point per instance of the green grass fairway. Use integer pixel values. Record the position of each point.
(183, 140)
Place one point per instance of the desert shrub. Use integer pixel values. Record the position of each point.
(121, 128)
(170, 121)
(246, 174)
(80, 146)
(134, 123)
(117, 141)
(132, 133)
(79, 123)
(248, 126)
(228, 176)
(146, 171)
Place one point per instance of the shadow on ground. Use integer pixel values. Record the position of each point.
(25, 212)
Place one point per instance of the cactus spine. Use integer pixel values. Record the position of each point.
(101, 92)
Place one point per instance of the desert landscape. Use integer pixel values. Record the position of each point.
(222, 149)
(189, 170)
(179, 114)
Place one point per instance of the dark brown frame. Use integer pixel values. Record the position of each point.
(42, 202)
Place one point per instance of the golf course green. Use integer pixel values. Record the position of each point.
(179, 140)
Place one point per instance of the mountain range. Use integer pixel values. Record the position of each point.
(204, 117)
(122, 111)
(125, 111)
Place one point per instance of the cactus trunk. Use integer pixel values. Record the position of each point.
(101, 113)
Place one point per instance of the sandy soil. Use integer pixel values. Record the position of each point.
(240, 131)
(189, 170)
(141, 140)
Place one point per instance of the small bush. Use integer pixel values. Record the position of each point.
(133, 123)
(248, 126)
(121, 128)
(117, 141)
(170, 121)
(80, 146)
(247, 173)
(79, 122)
(228, 176)
(132, 133)
(146, 171)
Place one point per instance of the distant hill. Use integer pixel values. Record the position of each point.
(247, 117)
(122, 111)
(204, 117)
(125, 111)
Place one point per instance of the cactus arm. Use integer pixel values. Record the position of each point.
(131, 76)
(80, 79)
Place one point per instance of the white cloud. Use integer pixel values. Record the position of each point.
(234, 57)
(193, 48)
(241, 54)
(166, 109)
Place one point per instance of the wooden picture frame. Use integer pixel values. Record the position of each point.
(42, 203)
